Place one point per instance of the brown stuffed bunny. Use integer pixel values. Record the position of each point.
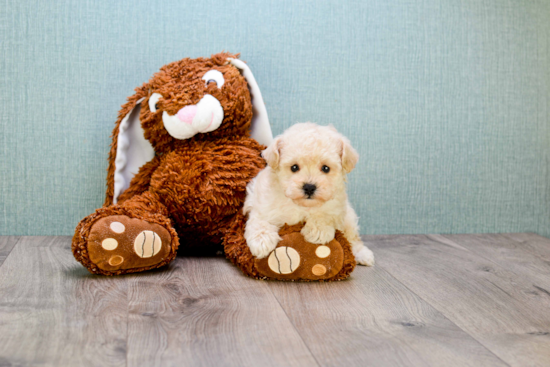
(181, 157)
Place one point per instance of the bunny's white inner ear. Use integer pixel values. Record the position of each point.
(260, 129)
(132, 152)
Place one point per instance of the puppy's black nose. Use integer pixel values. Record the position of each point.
(309, 189)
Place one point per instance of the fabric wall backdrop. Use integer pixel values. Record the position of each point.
(447, 101)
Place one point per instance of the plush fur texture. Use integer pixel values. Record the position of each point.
(304, 182)
(193, 187)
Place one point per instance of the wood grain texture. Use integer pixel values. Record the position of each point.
(524, 258)
(533, 243)
(54, 313)
(205, 312)
(6, 245)
(468, 300)
(374, 320)
(498, 307)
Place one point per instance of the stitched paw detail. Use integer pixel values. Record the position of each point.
(284, 260)
(147, 244)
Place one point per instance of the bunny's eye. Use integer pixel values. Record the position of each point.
(153, 102)
(214, 76)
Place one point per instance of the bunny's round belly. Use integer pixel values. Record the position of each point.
(204, 184)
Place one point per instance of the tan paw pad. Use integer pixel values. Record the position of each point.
(117, 227)
(322, 251)
(116, 260)
(109, 244)
(318, 270)
(284, 260)
(147, 244)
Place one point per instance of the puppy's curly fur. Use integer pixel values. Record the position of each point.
(304, 182)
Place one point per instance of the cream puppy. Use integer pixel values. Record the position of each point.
(305, 180)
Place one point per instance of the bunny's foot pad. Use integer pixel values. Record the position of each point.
(294, 259)
(118, 244)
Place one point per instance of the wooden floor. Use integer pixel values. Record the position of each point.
(461, 300)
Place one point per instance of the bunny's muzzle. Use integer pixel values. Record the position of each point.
(205, 116)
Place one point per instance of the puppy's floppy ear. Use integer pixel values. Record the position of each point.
(272, 152)
(349, 156)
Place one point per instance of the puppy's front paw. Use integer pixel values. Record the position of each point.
(263, 243)
(365, 257)
(317, 234)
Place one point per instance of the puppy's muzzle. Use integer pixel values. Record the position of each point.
(309, 190)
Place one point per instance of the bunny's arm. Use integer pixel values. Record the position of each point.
(141, 181)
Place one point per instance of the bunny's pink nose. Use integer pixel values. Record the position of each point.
(187, 113)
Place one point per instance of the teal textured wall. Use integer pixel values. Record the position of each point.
(447, 101)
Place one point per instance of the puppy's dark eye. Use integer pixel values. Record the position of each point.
(295, 168)
(211, 81)
(156, 106)
(325, 169)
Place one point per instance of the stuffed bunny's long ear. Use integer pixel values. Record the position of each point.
(260, 128)
(132, 152)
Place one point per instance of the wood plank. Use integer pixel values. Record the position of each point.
(532, 242)
(494, 305)
(53, 312)
(530, 264)
(205, 312)
(6, 245)
(371, 319)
